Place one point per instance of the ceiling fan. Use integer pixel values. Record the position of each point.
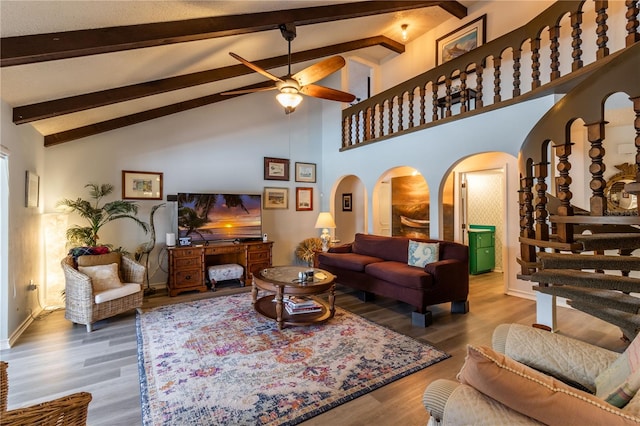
(291, 86)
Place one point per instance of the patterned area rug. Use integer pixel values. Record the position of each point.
(217, 361)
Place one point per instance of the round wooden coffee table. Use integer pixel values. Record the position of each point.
(284, 281)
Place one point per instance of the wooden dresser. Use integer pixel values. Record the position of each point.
(187, 265)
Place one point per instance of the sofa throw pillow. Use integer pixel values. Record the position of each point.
(103, 277)
(621, 381)
(535, 394)
(420, 254)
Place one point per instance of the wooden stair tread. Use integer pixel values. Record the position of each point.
(607, 298)
(579, 261)
(609, 241)
(629, 323)
(586, 279)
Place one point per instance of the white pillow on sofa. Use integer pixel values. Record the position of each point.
(420, 254)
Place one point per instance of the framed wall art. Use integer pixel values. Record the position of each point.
(306, 172)
(461, 41)
(347, 202)
(31, 189)
(276, 198)
(304, 199)
(276, 168)
(141, 185)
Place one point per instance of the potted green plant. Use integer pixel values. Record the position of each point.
(98, 215)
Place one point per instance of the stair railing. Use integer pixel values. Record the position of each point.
(403, 108)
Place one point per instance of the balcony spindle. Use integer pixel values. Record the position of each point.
(496, 80)
(632, 22)
(423, 106)
(563, 192)
(535, 65)
(517, 55)
(576, 43)
(478, 103)
(554, 35)
(434, 102)
(411, 96)
(390, 115)
(601, 31)
(401, 111)
(541, 213)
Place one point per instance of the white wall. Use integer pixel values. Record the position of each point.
(216, 148)
(25, 253)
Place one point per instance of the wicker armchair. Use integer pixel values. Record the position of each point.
(80, 300)
(68, 410)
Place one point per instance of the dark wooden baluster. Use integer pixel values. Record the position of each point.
(554, 35)
(401, 111)
(411, 96)
(636, 109)
(381, 112)
(434, 102)
(368, 128)
(564, 230)
(525, 196)
(463, 93)
(632, 22)
(598, 203)
(542, 227)
(346, 132)
(478, 103)
(358, 126)
(496, 79)
(423, 105)
(447, 98)
(372, 124)
(576, 43)
(517, 54)
(390, 114)
(535, 63)
(601, 30)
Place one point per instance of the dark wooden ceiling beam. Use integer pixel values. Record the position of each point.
(128, 120)
(57, 107)
(28, 49)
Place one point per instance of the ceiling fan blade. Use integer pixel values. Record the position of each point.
(327, 93)
(255, 67)
(319, 70)
(243, 91)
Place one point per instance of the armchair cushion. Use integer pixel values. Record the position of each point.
(535, 394)
(103, 277)
(116, 293)
(101, 259)
(621, 381)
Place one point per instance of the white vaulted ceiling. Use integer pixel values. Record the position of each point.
(33, 83)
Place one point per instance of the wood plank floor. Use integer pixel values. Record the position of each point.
(53, 357)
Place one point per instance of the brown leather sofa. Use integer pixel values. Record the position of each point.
(379, 265)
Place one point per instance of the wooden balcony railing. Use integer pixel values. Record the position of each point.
(457, 87)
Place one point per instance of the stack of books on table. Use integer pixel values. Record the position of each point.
(301, 305)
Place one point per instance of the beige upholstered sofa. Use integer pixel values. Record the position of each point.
(87, 302)
(504, 385)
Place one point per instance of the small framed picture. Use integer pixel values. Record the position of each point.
(141, 185)
(276, 168)
(276, 198)
(306, 172)
(346, 202)
(304, 199)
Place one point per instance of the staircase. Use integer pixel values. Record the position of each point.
(555, 253)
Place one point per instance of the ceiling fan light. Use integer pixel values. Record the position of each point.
(289, 100)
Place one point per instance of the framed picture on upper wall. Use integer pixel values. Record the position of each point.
(461, 41)
(306, 172)
(276, 198)
(141, 185)
(304, 199)
(276, 168)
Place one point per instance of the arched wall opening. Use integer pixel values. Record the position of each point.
(349, 207)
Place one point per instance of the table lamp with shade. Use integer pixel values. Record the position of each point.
(325, 221)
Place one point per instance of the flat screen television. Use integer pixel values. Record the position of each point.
(220, 217)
